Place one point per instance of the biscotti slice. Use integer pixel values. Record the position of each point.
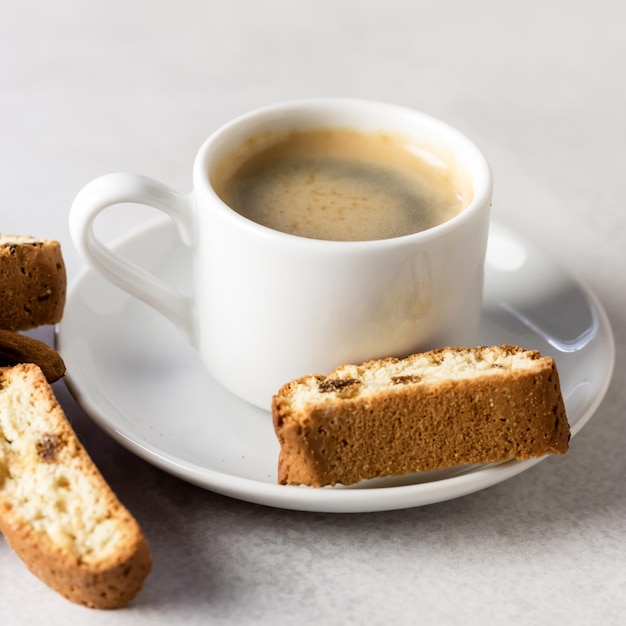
(32, 282)
(16, 348)
(430, 411)
(56, 510)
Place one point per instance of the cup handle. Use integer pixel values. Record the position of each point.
(111, 189)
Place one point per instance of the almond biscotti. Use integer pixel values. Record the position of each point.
(430, 411)
(32, 282)
(16, 348)
(56, 510)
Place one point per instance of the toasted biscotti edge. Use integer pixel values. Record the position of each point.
(105, 583)
(33, 282)
(111, 585)
(406, 429)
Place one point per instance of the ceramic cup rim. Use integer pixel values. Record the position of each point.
(318, 113)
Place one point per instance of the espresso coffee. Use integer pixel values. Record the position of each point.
(338, 184)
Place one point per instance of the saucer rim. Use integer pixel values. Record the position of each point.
(341, 500)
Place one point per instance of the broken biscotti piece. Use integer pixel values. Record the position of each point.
(429, 411)
(56, 510)
(16, 348)
(32, 282)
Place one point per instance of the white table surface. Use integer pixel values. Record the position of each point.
(136, 85)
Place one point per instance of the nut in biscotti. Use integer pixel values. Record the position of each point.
(439, 409)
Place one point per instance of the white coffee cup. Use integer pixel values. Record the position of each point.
(268, 306)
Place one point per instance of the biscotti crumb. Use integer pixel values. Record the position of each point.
(434, 410)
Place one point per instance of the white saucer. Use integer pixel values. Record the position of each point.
(135, 376)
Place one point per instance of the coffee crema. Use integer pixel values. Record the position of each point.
(338, 184)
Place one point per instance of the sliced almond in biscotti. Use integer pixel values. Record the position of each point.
(56, 510)
(439, 409)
